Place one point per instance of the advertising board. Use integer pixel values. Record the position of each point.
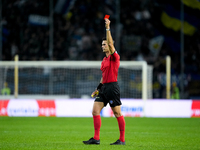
(83, 108)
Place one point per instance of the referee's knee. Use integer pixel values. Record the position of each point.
(117, 114)
(95, 113)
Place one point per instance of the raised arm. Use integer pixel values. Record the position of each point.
(109, 37)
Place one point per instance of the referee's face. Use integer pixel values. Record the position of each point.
(105, 46)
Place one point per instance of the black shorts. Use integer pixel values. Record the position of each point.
(109, 93)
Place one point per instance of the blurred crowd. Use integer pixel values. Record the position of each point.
(79, 29)
(77, 33)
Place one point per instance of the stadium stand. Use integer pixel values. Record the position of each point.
(78, 32)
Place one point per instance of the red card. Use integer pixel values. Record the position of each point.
(106, 17)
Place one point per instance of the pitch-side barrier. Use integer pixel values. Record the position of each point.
(83, 108)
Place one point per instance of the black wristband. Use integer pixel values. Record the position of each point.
(99, 86)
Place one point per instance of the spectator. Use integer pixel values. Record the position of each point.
(6, 90)
(175, 91)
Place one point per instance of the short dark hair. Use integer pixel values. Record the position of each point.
(104, 39)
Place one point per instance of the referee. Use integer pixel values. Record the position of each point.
(108, 90)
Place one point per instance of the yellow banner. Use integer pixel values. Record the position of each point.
(192, 3)
(175, 24)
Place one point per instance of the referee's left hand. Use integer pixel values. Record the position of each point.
(95, 93)
(107, 23)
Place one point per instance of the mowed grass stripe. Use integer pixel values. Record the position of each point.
(68, 133)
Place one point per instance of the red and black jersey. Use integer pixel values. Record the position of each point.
(109, 68)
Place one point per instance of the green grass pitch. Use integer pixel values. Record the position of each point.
(52, 133)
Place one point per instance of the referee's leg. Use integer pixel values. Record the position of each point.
(97, 107)
(121, 123)
(117, 111)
